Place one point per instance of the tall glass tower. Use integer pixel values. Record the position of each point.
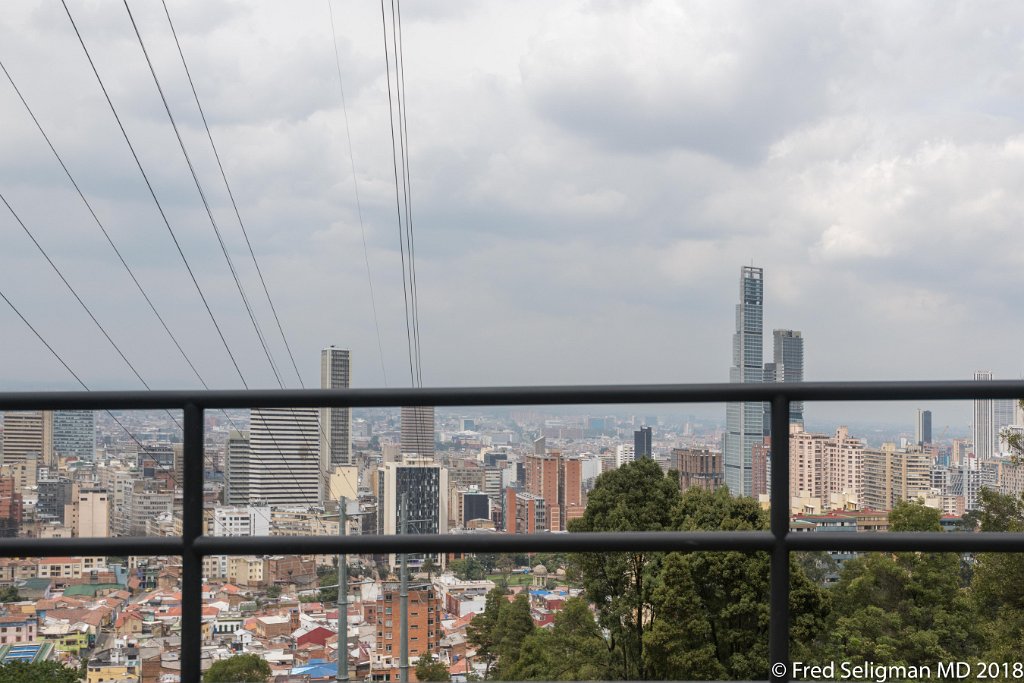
(745, 421)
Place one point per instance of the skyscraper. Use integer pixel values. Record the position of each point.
(284, 464)
(789, 366)
(418, 430)
(923, 431)
(642, 442)
(335, 423)
(984, 425)
(425, 485)
(1004, 415)
(745, 421)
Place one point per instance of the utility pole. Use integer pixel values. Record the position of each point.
(342, 597)
(403, 596)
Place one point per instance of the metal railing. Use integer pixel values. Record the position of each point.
(193, 545)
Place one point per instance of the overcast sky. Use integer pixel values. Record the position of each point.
(587, 180)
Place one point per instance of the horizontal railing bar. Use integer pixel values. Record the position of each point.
(892, 541)
(512, 396)
(77, 547)
(621, 541)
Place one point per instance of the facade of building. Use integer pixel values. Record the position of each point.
(642, 442)
(284, 457)
(698, 467)
(418, 430)
(25, 433)
(424, 614)
(984, 424)
(745, 421)
(788, 366)
(237, 468)
(890, 475)
(335, 423)
(424, 486)
(74, 434)
(923, 428)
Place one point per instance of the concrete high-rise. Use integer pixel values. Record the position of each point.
(284, 460)
(335, 423)
(27, 432)
(238, 469)
(418, 430)
(745, 421)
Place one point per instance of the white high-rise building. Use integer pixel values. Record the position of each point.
(284, 457)
(624, 453)
(984, 423)
(335, 423)
(745, 421)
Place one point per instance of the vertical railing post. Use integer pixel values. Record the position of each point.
(192, 528)
(778, 631)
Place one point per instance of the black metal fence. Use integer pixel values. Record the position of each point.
(193, 545)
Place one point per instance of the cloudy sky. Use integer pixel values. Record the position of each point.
(587, 180)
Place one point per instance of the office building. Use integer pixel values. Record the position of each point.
(642, 442)
(923, 429)
(27, 432)
(1004, 416)
(698, 467)
(424, 484)
(237, 468)
(984, 426)
(88, 514)
(284, 457)
(788, 366)
(74, 434)
(745, 421)
(418, 430)
(335, 423)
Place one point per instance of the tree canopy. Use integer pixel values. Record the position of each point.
(429, 669)
(33, 672)
(239, 669)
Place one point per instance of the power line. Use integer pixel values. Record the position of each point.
(102, 228)
(156, 200)
(152, 194)
(396, 8)
(231, 194)
(355, 185)
(234, 205)
(75, 375)
(202, 196)
(398, 204)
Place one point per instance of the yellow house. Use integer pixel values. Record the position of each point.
(105, 673)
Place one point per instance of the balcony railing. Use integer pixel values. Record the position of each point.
(193, 545)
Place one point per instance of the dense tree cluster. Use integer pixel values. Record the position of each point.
(693, 616)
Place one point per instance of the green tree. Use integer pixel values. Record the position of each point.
(515, 625)
(468, 569)
(9, 594)
(273, 591)
(482, 630)
(997, 588)
(572, 650)
(713, 607)
(239, 669)
(635, 497)
(25, 672)
(429, 669)
(904, 608)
